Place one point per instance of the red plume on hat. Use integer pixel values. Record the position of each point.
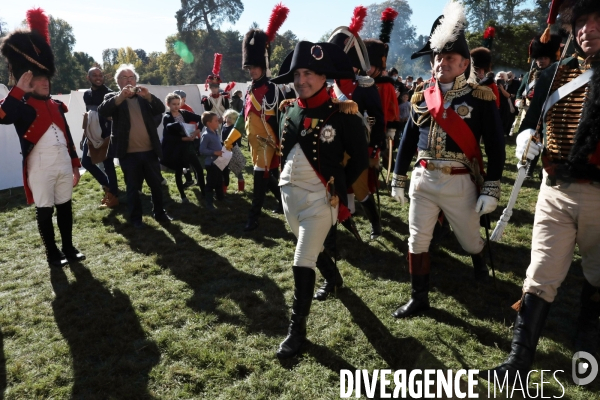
(30, 50)
(387, 24)
(38, 21)
(215, 78)
(358, 20)
(278, 17)
(216, 70)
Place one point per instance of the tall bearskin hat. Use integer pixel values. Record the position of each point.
(378, 49)
(348, 39)
(482, 58)
(256, 48)
(550, 49)
(215, 78)
(30, 50)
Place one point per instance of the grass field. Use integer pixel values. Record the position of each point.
(196, 309)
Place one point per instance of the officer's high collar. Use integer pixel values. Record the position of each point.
(260, 81)
(316, 100)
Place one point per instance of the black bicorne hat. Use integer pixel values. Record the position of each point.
(323, 58)
(426, 50)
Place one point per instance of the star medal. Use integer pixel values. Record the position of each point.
(463, 110)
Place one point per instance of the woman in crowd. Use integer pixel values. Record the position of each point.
(179, 133)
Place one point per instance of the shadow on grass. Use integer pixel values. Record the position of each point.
(11, 199)
(2, 366)
(212, 277)
(112, 356)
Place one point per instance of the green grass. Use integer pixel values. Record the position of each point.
(196, 309)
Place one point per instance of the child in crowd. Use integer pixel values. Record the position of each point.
(405, 106)
(210, 148)
(229, 119)
(178, 145)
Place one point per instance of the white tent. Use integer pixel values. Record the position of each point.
(11, 161)
(10, 150)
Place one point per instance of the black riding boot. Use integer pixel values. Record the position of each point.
(331, 273)
(479, 267)
(588, 323)
(419, 279)
(54, 256)
(370, 209)
(64, 218)
(258, 198)
(528, 327)
(304, 283)
(273, 184)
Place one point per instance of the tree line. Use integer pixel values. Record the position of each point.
(188, 55)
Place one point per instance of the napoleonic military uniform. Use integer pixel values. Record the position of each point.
(320, 130)
(444, 177)
(570, 192)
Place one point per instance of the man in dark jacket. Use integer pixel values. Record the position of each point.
(134, 111)
(107, 176)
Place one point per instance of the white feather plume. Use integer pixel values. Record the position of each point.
(451, 24)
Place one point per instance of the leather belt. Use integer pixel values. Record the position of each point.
(446, 169)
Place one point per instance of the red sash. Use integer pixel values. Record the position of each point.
(453, 125)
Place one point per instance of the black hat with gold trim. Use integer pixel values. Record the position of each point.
(30, 50)
(256, 47)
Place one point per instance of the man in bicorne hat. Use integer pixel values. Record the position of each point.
(447, 122)
(316, 132)
(569, 197)
(50, 161)
(259, 118)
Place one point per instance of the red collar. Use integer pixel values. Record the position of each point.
(215, 96)
(316, 100)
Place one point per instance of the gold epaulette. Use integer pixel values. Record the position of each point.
(346, 106)
(285, 103)
(418, 97)
(482, 92)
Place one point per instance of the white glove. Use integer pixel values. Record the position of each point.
(390, 133)
(398, 194)
(486, 204)
(522, 139)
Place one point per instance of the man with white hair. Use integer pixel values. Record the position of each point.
(136, 114)
(448, 121)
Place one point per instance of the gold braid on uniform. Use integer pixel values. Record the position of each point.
(491, 188)
(482, 92)
(417, 97)
(285, 103)
(347, 106)
(399, 181)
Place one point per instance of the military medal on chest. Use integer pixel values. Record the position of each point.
(309, 124)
